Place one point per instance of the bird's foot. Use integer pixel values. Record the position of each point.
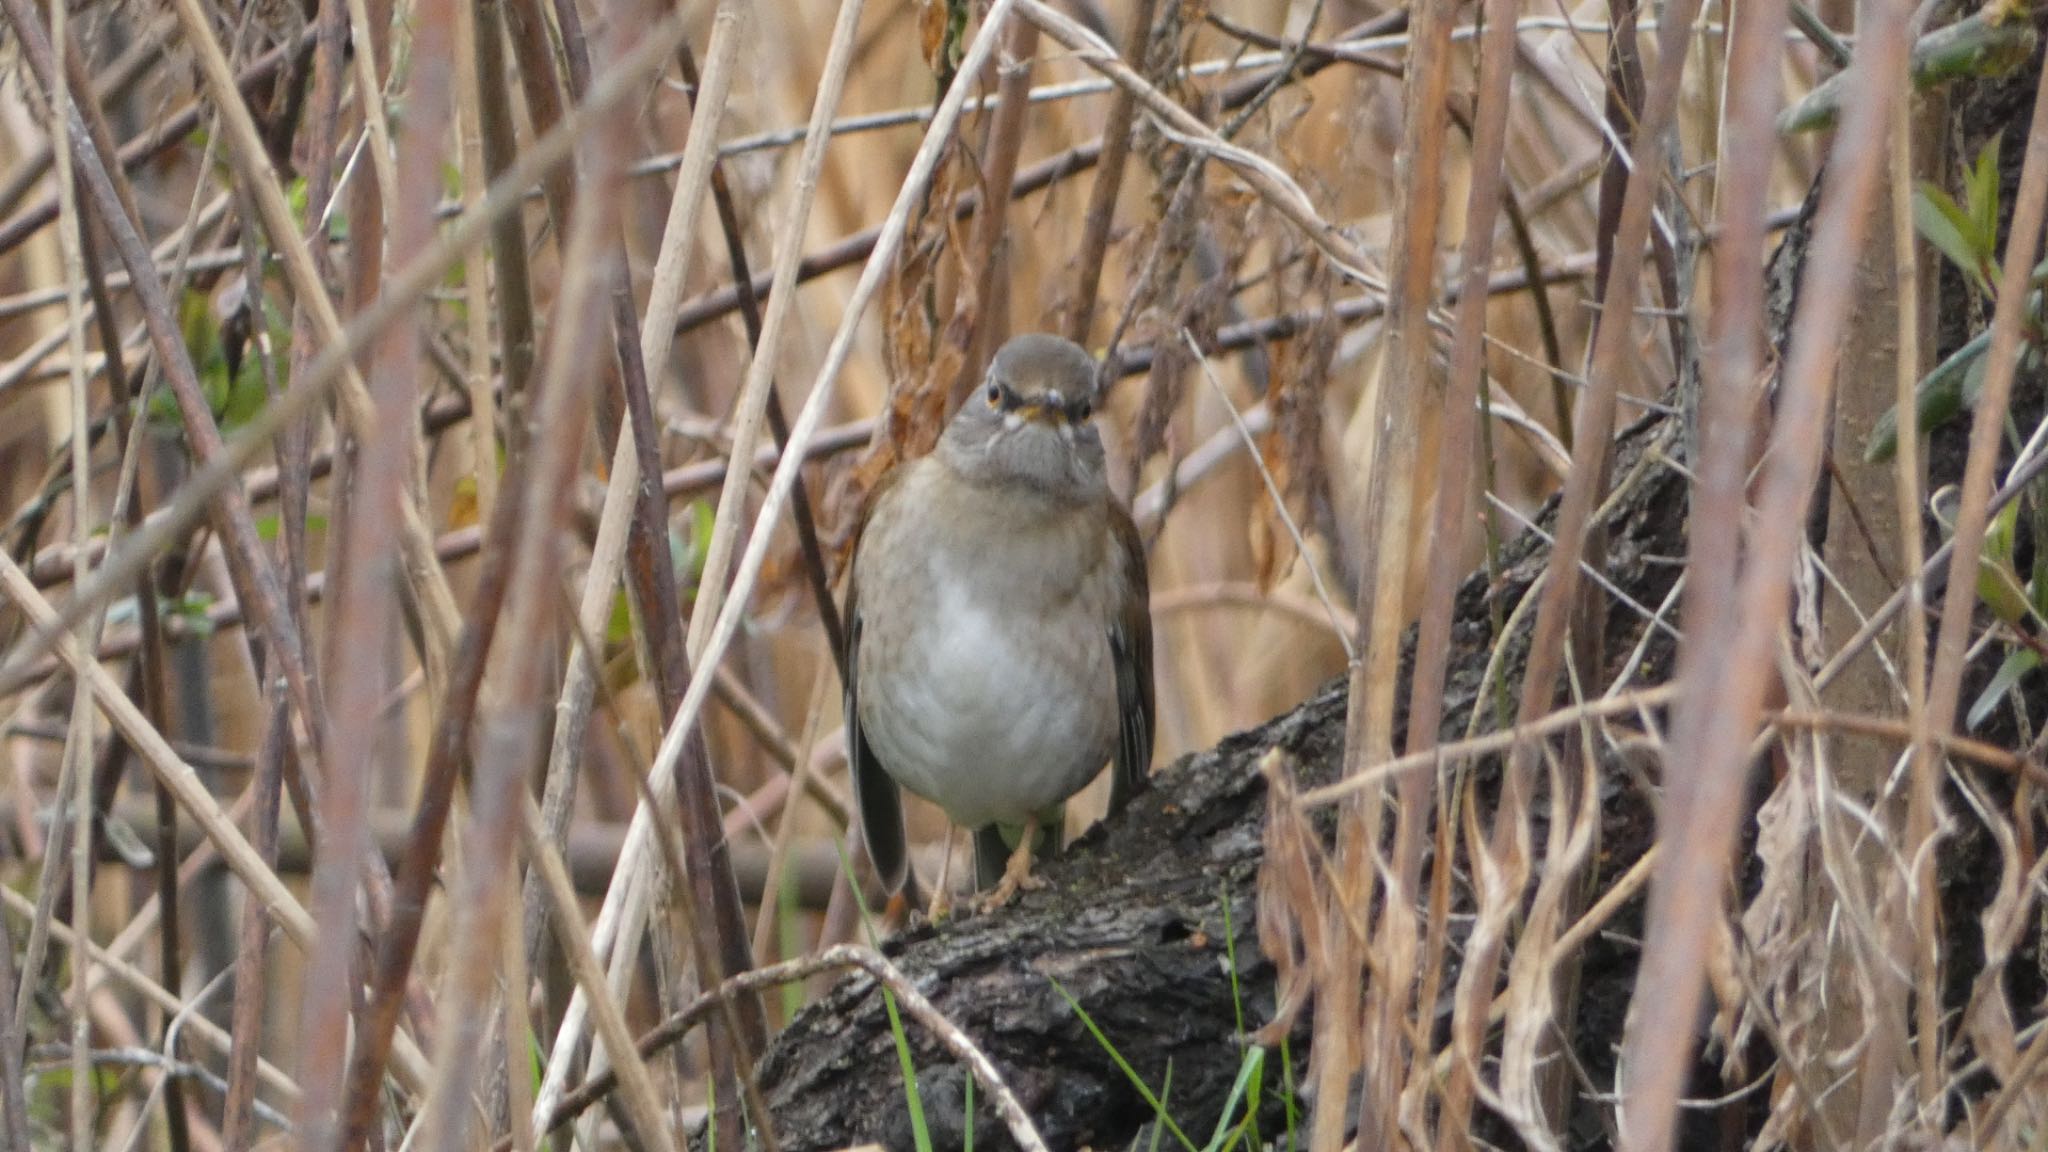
(1017, 875)
(941, 907)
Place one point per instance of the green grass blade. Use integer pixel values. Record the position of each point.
(1165, 1094)
(1248, 1073)
(1130, 1073)
(1287, 1090)
(1230, 954)
(919, 1131)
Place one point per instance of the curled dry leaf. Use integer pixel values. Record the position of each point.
(1290, 913)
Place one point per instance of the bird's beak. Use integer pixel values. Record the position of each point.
(1043, 410)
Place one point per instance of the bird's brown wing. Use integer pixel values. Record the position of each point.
(1130, 646)
(875, 792)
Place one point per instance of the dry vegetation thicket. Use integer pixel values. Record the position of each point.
(435, 430)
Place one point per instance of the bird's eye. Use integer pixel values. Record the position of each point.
(1080, 409)
(995, 395)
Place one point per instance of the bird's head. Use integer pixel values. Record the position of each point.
(1029, 422)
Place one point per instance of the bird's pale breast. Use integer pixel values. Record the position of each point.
(986, 677)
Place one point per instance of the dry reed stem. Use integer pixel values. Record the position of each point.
(78, 750)
(643, 1104)
(397, 301)
(476, 286)
(623, 914)
(364, 37)
(260, 182)
(509, 729)
(1396, 940)
(1501, 868)
(12, 1036)
(365, 608)
(750, 406)
(1906, 481)
(1268, 180)
(142, 984)
(608, 551)
(1719, 711)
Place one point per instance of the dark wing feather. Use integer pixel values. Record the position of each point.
(1130, 645)
(875, 792)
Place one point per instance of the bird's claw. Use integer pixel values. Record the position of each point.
(1017, 877)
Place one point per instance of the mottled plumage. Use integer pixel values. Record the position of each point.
(999, 645)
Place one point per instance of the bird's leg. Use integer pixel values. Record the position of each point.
(1017, 873)
(942, 893)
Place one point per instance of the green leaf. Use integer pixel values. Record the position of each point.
(1998, 534)
(1165, 1094)
(1998, 586)
(1944, 224)
(1982, 188)
(244, 396)
(191, 609)
(1937, 399)
(1287, 1087)
(618, 627)
(2018, 663)
(295, 199)
(267, 527)
(688, 549)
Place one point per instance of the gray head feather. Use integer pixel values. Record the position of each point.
(1028, 423)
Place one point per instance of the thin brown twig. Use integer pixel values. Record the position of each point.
(1109, 180)
(989, 251)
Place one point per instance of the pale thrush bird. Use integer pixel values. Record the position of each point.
(999, 643)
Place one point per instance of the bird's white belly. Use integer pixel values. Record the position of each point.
(1006, 714)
